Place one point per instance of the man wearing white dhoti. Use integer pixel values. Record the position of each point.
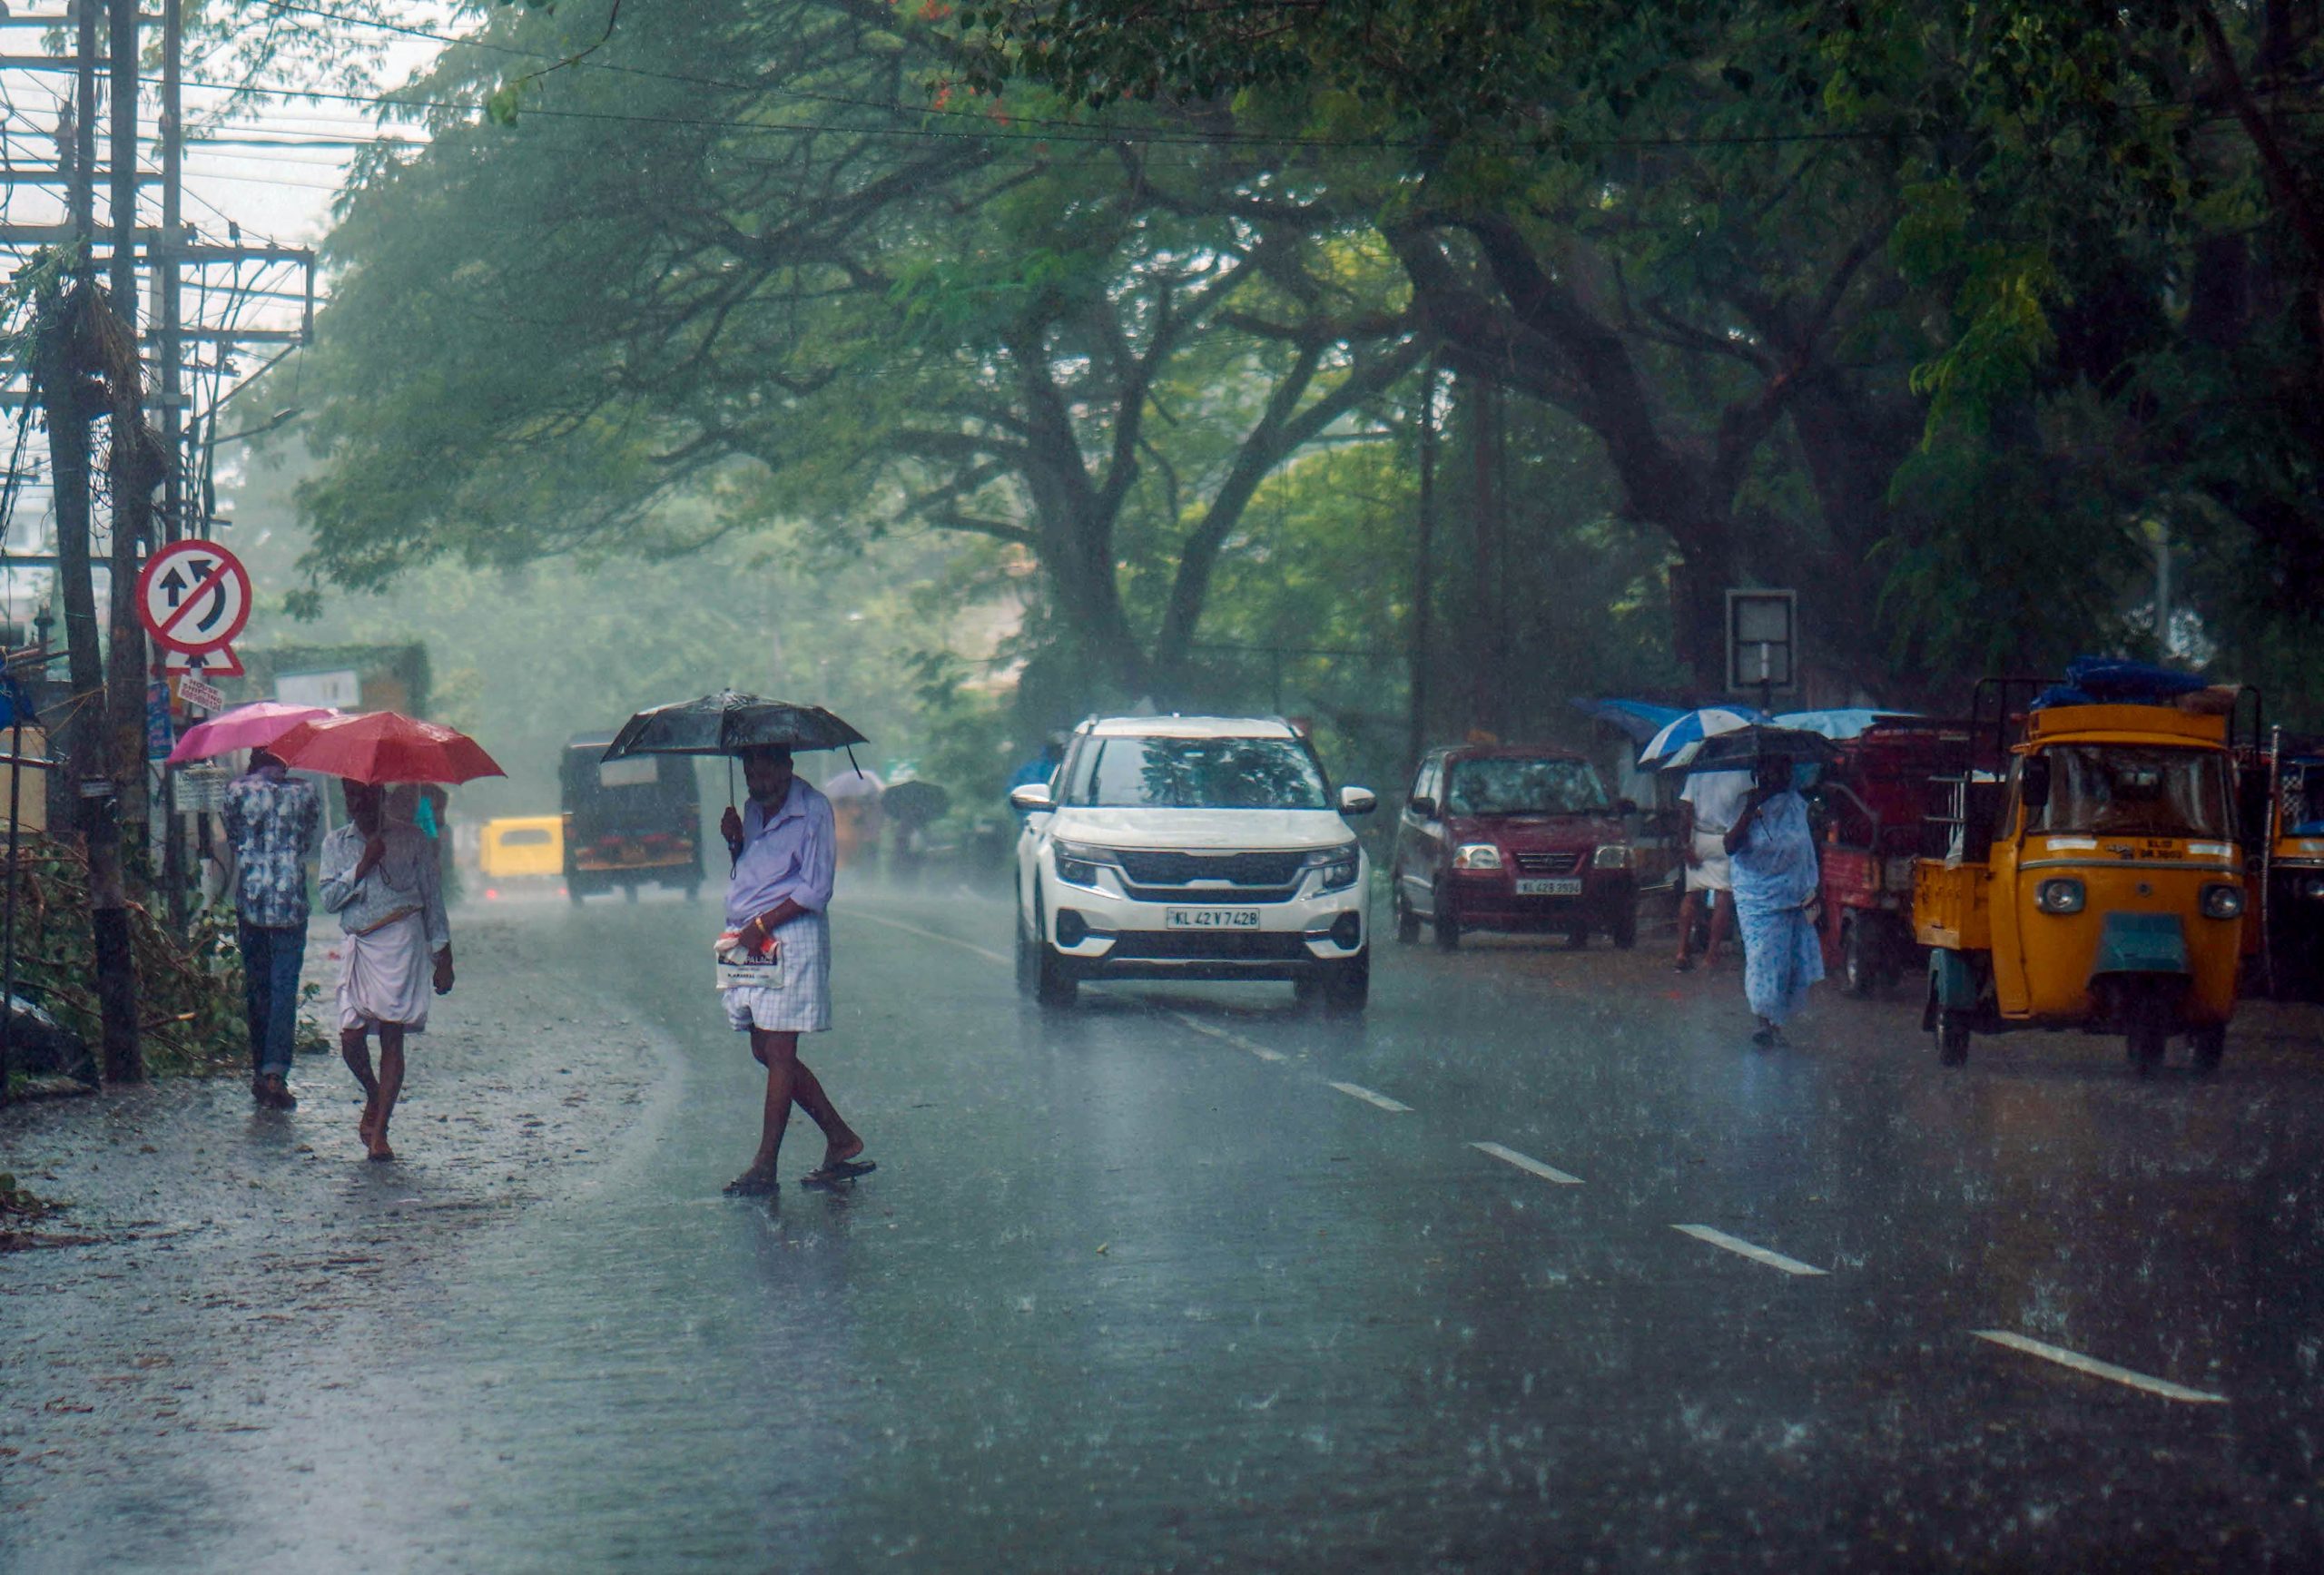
(379, 876)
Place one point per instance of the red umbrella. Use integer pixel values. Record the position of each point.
(253, 726)
(380, 746)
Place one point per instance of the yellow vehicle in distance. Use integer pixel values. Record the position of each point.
(2092, 880)
(522, 845)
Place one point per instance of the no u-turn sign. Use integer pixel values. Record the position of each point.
(193, 596)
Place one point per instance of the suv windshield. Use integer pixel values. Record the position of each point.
(2135, 790)
(1505, 785)
(1199, 773)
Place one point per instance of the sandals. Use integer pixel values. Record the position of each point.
(828, 1175)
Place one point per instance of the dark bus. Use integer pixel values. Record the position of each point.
(628, 822)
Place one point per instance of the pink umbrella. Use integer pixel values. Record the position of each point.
(253, 727)
(380, 746)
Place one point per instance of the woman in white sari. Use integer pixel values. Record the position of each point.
(379, 876)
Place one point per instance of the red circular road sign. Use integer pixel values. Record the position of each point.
(193, 596)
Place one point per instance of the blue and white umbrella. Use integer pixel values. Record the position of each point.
(1693, 728)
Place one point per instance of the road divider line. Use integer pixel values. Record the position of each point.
(1527, 1162)
(1358, 1091)
(1227, 1036)
(927, 934)
(2097, 1369)
(1741, 1248)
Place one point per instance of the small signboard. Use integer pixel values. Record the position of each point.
(193, 596)
(193, 691)
(203, 787)
(1762, 638)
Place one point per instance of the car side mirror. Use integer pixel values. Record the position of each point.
(1423, 806)
(1358, 800)
(2033, 783)
(1033, 795)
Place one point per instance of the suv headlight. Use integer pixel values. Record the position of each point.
(2063, 895)
(1611, 856)
(1476, 856)
(1078, 863)
(2222, 900)
(1338, 865)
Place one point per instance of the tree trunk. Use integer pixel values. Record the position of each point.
(65, 392)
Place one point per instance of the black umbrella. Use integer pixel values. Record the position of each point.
(1743, 749)
(728, 723)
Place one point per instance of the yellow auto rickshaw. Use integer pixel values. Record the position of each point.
(2091, 878)
(2288, 874)
(522, 845)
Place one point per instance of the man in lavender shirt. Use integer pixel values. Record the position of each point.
(785, 854)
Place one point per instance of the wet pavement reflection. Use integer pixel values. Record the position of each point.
(1144, 1284)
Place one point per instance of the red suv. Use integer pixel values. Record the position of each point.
(1512, 837)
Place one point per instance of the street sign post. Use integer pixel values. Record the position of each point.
(193, 596)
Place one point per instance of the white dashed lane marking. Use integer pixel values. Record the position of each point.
(1757, 1254)
(1527, 1162)
(1227, 1036)
(1358, 1091)
(928, 935)
(2097, 1369)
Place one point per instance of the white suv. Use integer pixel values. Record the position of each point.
(1192, 847)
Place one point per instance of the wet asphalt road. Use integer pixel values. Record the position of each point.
(1186, 1278)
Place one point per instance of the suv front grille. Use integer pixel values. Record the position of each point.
(1150, 867)
(1212, 896)
(1548, 863)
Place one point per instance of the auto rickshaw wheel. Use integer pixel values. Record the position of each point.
(2147, 1041)
(1858, 971)
(1951, 1037)
(1407, 921)
(2209, 1045)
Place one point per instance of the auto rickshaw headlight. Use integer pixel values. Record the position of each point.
(2222, 900)
(1611, 856)
(2063, 895)
(1476, 856)
(2312, 887)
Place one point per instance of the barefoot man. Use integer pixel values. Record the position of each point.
(784, 851)
(379, 876)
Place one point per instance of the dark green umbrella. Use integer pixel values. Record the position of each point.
(728, 723)
(1743, 749)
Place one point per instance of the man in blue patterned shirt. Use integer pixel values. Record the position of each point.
(271, 822)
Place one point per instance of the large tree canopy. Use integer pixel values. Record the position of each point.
(1967, 300)
(732, 268)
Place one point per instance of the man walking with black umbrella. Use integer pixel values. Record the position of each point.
(784, 849)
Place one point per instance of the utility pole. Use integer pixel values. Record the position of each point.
(1491, 655)
(170, 393)
(1423, 625)
(122, 757)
